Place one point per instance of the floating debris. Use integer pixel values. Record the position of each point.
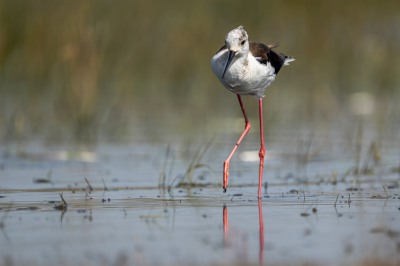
(236, 195)
(44, 180)
(41, 180)
(27, 209)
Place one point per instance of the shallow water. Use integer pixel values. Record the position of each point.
(135, 221)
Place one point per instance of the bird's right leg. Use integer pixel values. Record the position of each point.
(226, 163)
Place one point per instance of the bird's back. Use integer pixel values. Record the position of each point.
(265, 54)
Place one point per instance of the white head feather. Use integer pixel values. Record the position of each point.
(237, 41)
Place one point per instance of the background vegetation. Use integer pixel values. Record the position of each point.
(116, 70)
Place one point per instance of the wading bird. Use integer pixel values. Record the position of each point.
(247, 68)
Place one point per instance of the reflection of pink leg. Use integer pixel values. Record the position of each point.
(261, 231)
(226, 163)
(226, 224)
(262, 151)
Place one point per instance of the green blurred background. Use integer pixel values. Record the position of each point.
(117, 70)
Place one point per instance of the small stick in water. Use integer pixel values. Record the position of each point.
(336, 199)
(64, 202)
(90, 187)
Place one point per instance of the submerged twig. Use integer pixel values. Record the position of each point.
(64, 202)
(63, 206)
(90, 187)
(336, 199)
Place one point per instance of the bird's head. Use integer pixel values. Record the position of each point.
(237, 42)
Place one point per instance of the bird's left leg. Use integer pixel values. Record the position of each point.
(262, 150)
(246, 130)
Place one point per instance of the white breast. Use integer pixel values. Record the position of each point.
(245, 76)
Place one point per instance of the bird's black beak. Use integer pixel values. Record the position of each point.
(228, 61)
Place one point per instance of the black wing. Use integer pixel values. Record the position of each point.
(265, 54)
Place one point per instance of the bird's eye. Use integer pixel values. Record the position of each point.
(243, 42)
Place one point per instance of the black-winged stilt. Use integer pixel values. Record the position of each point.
(247, 68)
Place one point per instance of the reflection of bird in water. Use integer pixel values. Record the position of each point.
(226, 223)
(235, 243)
(247, 68)
(227, 240)
(261, 231)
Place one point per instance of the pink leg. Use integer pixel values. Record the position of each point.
(262, 150)
(226, 163)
